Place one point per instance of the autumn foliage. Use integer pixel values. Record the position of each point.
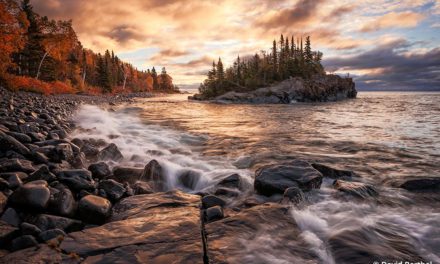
(42, 55)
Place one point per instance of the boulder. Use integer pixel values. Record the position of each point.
(46, 222)
(127, 174)
(63, 203)
(141, 187)
(4, 185)
(11, 217)
(293, 195)
(212, 200)
(189, 179)
(43, 254)
(228, 192)
(333, 173)
(154, 228)
(99, 170)
(51, 234)
(113, 189)
(153, 174)
(90, 151)
(64, 152)
(9, 143)
(7, 233)
(29, 229)
(32, 196)
(358, 189)
(43, 173)
(111, 152)
(23, 242)
(232, 181)
(23, 138)
(213, 214)
(417, 184)
(94, 209)
(16, 165)
(77, 179)
(275, 179)
(14, 181)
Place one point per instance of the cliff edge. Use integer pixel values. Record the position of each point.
(320, 88)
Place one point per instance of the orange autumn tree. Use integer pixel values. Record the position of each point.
(13, 25)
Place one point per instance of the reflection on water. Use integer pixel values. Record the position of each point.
(378, 135)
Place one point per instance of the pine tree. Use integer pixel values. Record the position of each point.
(155, 81)
(308, 56)
(103, 75)
(220, 70)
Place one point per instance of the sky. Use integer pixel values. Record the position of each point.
(384, 45)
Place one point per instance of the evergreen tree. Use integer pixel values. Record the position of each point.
(103, 75)
(155, 80)
(220, 70)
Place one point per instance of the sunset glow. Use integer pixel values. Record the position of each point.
(187, 35)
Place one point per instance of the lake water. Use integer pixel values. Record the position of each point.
(379, 135)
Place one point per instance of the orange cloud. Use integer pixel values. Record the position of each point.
(393, 19)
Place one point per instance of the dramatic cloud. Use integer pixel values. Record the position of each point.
(391, 65)
(186, 35)
(403, 19)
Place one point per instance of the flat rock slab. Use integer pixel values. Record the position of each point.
(40, 254)
(265, 233)
(152, 228)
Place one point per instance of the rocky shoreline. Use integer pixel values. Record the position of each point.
(322, 88)
(60, 202)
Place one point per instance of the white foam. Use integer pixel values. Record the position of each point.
(174, 150)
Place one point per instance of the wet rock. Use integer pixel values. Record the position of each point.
(111, 152)
(94, 209)
(160, 228)
(232, 181)
(212, 200)
(44, 254)
(293, 195)
(78, 142)
(355, 245)
(78, 161)
(9, 143)
(11, 217)
(213, 214)
(51, 234)
(14, 181)
(275, 179)
(77, 179)
(23, 242)
(63, 152)
(417, 184)
(43, 173)
(90, 151)
(7, 233)
(154, 175)
(253, 227)
(358, 189)
(23, 176)
(63, 203)
(39, 158)
(29, 229)
(46, 222)
(23, 138)
(16, 165)
(228, 192)
(3, 201)
(333, 173)
(141, 187)
(189, 179)
(4, 185)
(113, 189)
(127, 174)
(99, 170)
(32, 196)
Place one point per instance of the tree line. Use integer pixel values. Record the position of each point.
(287, 58)
(36, 49)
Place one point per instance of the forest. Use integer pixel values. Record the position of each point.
(43, 55)
(286, 59)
